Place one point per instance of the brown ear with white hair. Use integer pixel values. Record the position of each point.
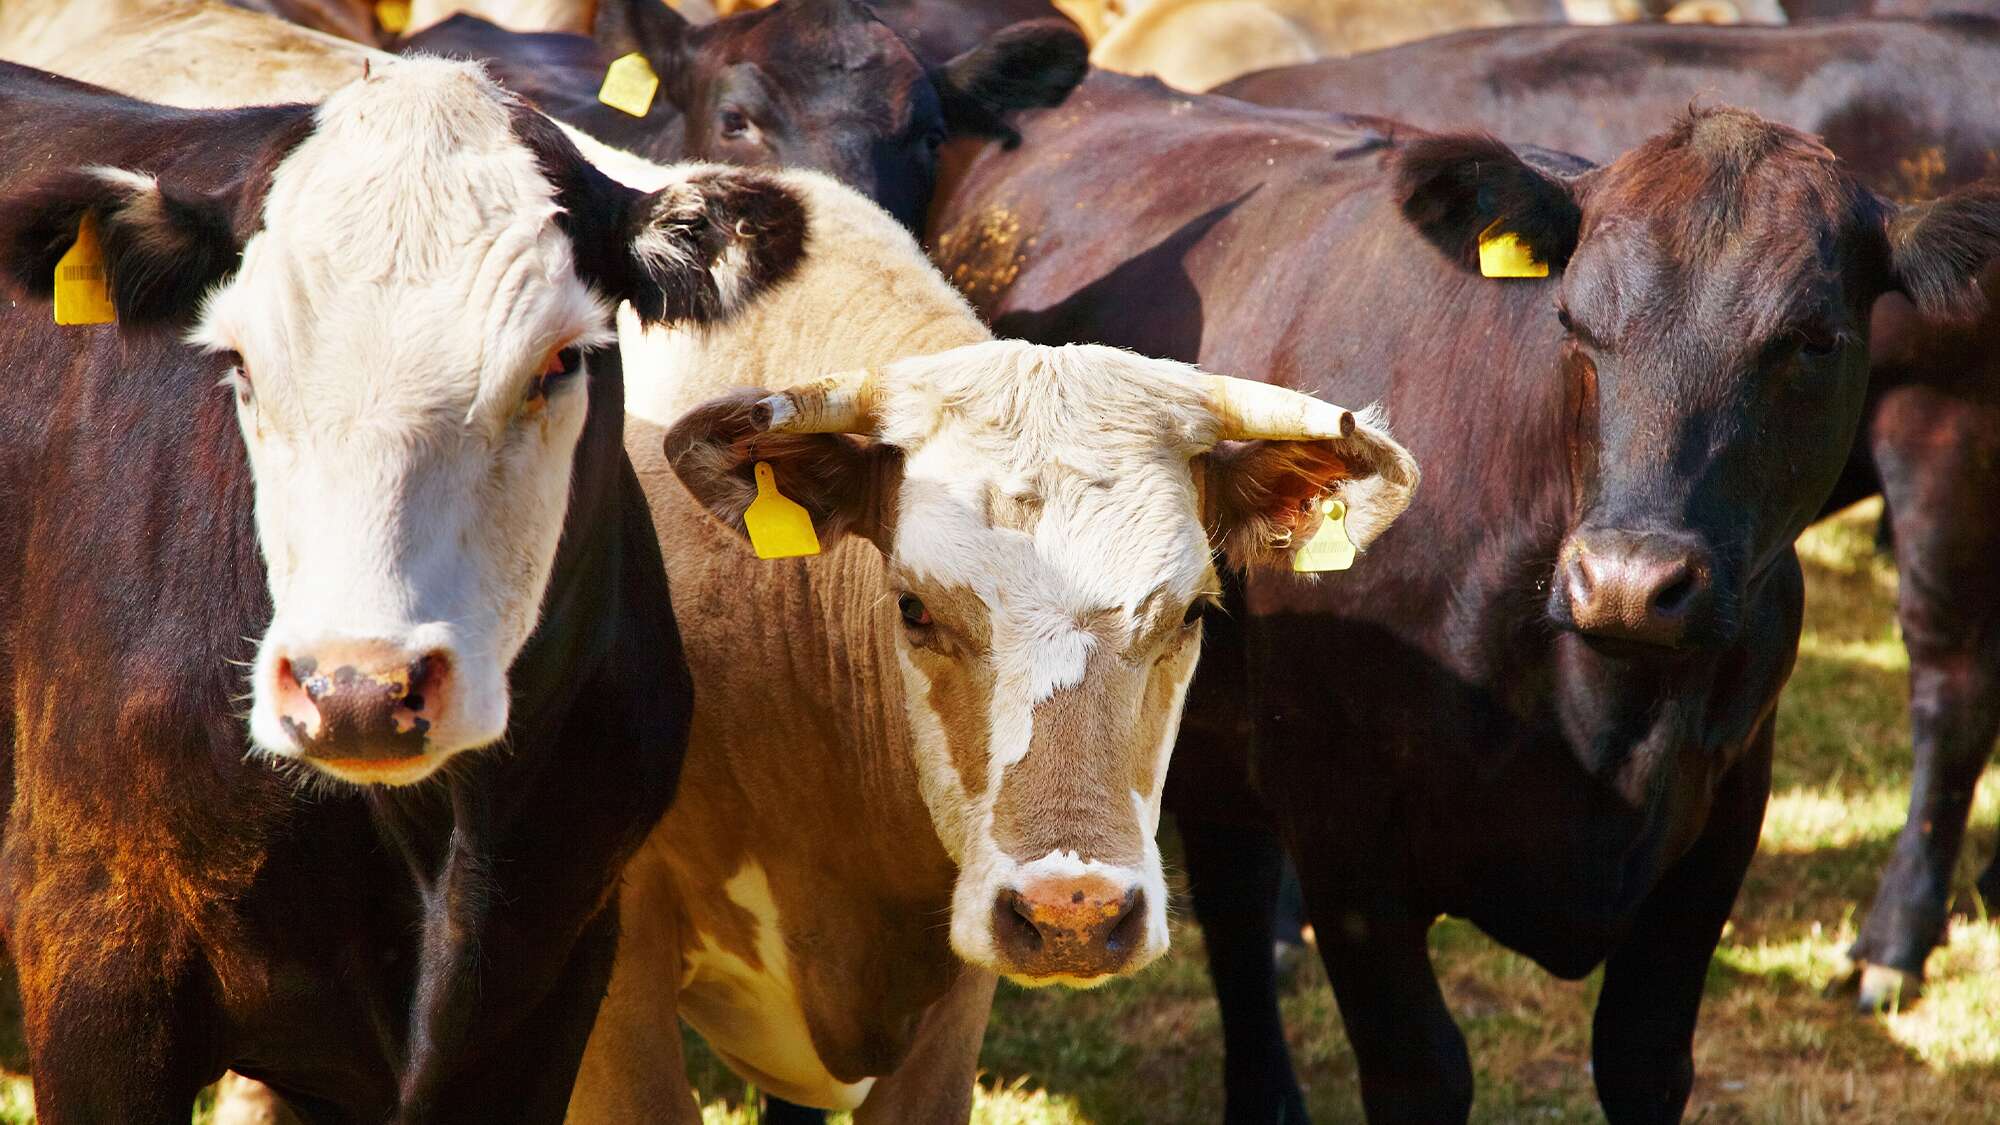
(1263, 500)
(845, 483)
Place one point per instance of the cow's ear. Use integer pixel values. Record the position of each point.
(1938, 249)
(648, 27)
(846, 484)
(163, 250)
(1454, 189)
(1022, 66)
(706, 246)
(1263, 500)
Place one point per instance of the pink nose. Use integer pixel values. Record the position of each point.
(1079, 926)
(1637, 587)
(363, 702)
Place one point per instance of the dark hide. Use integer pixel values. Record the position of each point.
(820, 84)
(1404, 715)
(1908, 105)
(432, 954)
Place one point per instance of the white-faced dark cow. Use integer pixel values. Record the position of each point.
(392, 453)
(1546, 705)
(821, 84)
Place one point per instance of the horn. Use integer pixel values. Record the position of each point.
(1248, 411)
(837, 404)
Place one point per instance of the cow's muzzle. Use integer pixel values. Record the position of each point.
(1651, 587)
(1078, 927)
(362, 710)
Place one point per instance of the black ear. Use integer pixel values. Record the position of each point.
(1937, 250)
(163, 250)
(705, 247)
(649, 27)
(1023, 66)
(1453, 188)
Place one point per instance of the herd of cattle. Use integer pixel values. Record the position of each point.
(397, 714)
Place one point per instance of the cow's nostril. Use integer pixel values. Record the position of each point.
(427, 677)
(1014, 926)
(1130, 928)
(1676, 595)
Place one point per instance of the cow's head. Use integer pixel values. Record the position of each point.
(824, 84)
(407, 298)
(1048, 517)
(1714, 295)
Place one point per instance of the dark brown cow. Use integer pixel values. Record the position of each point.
(385, 495)
(820, 84)
(1546, 703)
(1909, 107)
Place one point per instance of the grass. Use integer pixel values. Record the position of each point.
(1773, 1047)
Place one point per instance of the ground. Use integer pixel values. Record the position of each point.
(1775, 1045)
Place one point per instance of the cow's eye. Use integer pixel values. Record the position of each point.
(915, 615)
(734, 122)
(237, 378)
(561, 364)
(1817, 343)
(1193, 615)
(1562, 318)
(934, 139)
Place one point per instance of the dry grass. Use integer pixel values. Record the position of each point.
(1773, 1047)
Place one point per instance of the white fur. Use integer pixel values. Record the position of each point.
(751, 1014)
(407, 284)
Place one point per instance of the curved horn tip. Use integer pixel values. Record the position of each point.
(773, 413)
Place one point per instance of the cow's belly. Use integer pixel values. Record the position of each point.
(750, 1012)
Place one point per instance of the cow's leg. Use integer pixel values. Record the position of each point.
(528, 1074)
(1413, 1062)
(632, 1068)
(1234, 873)
(1954, 716)
(246, 1101)
(1642, 1038)
(107, 1037)
(933, 1085)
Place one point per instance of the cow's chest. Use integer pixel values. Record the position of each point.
(740, 990)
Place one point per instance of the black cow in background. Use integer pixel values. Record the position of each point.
(821, 84)
(1910, 107)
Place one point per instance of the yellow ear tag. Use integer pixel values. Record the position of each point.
(1503, 254)
(1329, 548)
(82, 294)
(629, 84)
(393, 15)
(779, 528)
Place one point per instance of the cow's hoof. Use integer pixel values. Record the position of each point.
(1883, 989)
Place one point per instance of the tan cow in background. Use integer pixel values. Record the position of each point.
(933, 753)
(1200, 44)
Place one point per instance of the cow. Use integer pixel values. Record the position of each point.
(932, 754)
(937, 29)
(341, 677)
(822, 84)
(1574, 642)
(1905, 104)
(349, 19)
(573, 16)
(1199, 44)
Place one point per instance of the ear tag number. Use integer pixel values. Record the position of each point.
(83, 296)
(1329, 548)
(629, 84)
(1503, 254)
(393, 15)
(779, 528)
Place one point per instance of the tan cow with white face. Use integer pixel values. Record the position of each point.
(934, 752)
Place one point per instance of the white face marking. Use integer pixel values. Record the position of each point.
(408, 285)
(1103, 441)
(751, 1015)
